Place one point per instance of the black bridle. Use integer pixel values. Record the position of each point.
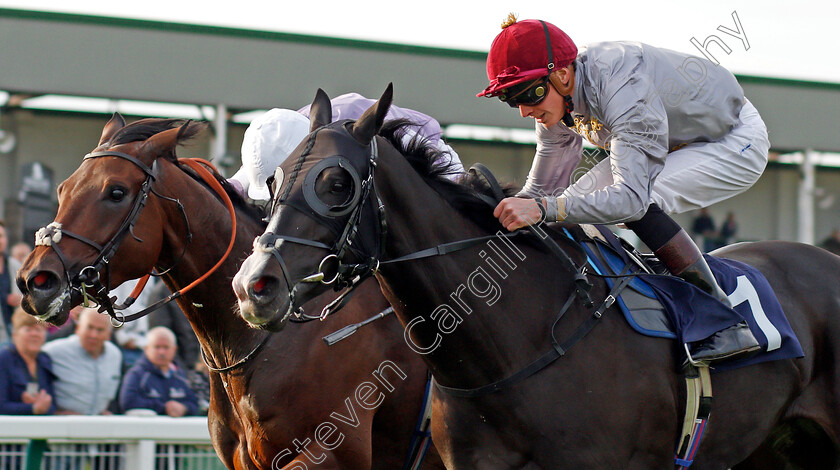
(270, 242)
(87, 282)
(348, 275)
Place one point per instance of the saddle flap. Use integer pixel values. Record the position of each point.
(668, 307)
(638, 302)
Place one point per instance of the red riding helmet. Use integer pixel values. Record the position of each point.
(519, 53)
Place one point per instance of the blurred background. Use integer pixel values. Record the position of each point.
(65, 68)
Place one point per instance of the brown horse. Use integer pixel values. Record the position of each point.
(288, 400)
(479, 306)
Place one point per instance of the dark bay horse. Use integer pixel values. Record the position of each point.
(482, 312)
(269, 410)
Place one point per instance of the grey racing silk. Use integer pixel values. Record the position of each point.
(639, 103)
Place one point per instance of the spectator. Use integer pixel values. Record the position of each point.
(87, 366)
(20, 251)
(832, 242)
(199, 378)
(26, 378)
(155, 383)
(703, 228)
(9, 294)
(170, 316)
(728, 230)
(131, 337)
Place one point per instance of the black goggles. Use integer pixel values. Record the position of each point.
(527, 93)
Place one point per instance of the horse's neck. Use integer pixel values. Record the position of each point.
(469, 302)
(411, 205)
(210, 305)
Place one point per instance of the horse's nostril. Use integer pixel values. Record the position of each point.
(43, 282)
(263, 288)
(40, 279)
(259, 285)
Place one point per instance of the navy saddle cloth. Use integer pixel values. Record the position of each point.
(668, 307)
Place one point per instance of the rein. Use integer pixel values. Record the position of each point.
(199, 166)
(89, 277)
(582, 285)
(348, 275)
(557, 350)
(271, 242)
(582, 288)
(88, 281)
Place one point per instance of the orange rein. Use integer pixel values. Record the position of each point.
(198, 165)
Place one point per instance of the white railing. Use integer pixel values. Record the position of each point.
(129, 443)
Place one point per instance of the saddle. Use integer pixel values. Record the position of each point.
(610, 255)
(649, 307)
(658, 304)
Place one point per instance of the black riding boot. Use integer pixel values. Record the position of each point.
(681, 256)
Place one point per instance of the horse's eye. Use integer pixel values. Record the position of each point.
(117, 194)
(337, 187)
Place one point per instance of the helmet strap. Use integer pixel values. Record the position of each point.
(550, 65)
(567, 119)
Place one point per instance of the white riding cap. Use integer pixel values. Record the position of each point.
(267, 143)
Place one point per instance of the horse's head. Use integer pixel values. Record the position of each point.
(322, 193)
(104, 214)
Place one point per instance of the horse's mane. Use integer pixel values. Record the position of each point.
(468, 194)
(145, 128)
(434, 165)
(255, 212)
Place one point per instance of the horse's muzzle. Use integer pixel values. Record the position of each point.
(263, 298)
(45, 295)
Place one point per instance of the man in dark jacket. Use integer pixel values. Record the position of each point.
(170, 316)
(155, 383)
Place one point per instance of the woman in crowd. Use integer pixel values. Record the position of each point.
(26, 378)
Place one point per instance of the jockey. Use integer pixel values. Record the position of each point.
(270, 139)
(678, 130)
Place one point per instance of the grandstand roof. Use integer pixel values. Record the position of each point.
(117, 58)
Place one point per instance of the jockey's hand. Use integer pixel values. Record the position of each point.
(516, 212)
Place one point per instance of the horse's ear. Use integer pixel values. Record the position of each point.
(111, 127)
(163, 143)
(371, 121)
(320, 113)
(183, 133)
